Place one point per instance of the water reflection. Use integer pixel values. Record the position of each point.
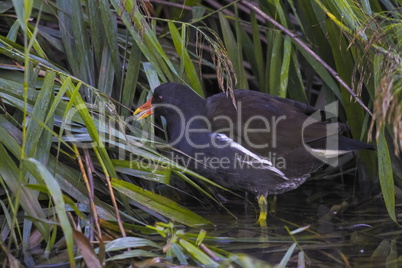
(343, 230)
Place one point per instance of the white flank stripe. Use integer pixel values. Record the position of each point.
(267, 164)
(329, 153)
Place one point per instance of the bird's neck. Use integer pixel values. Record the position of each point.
(189, 129)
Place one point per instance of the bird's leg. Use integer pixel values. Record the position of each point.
(272, 203)
(263, 204)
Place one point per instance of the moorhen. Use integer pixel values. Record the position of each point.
(253, 142)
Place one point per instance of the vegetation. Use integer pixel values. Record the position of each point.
(77, 171)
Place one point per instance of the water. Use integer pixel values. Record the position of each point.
(342, 230)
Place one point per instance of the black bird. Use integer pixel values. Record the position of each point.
(252, 142)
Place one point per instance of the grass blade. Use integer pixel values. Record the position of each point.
(386, 175)
(180, 45)
(40, 172)
(159, 204)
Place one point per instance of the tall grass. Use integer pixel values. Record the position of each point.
(72, 160)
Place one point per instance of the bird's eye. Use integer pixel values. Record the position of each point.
(160, 97)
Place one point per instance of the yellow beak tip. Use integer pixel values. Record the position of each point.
(137, 111)
(144, 110)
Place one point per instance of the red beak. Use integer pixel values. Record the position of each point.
(144, 110)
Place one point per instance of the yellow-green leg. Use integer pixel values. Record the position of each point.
(263, 204)
(272, 203)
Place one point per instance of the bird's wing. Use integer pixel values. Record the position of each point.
(262, 122)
